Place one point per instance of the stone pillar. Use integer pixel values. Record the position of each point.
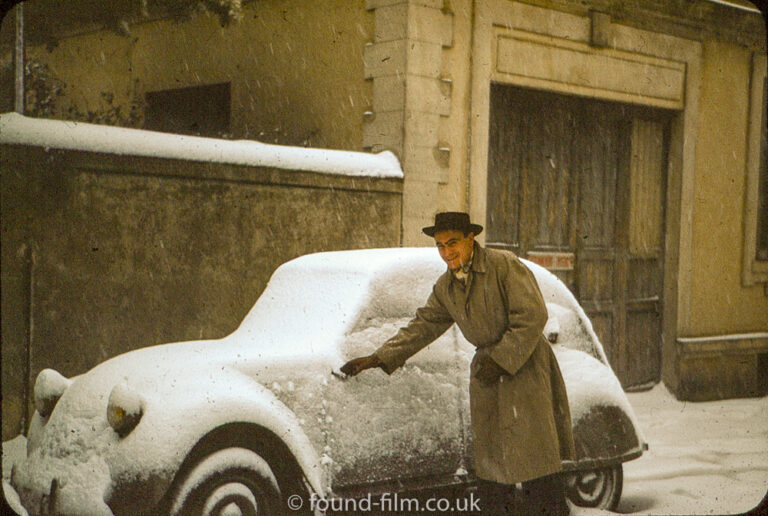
(410, 97)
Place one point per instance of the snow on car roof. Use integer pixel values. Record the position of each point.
(320, 297)
(60, 134)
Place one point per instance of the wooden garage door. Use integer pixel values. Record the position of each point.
(583, 180)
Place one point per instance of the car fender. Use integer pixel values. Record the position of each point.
(35, 430)
(170, 429)
(593, 450)
(605, 428)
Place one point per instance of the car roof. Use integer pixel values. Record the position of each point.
(315, 299)
(324, 295)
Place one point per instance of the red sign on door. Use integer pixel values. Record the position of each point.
(554, 261)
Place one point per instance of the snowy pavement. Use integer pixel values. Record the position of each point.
(704, 458)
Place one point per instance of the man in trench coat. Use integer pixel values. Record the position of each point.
(521, 423)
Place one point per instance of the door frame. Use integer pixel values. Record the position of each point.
(515, 43)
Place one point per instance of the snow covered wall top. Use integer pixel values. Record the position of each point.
(59, 134)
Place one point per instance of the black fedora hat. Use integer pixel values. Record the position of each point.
(452, 220)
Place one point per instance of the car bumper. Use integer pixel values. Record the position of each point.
(47, 494)
(598, 463)
(52, 503)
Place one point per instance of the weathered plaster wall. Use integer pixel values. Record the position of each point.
(719, 303)
(723, 334)
(102, 254)
(295, 68)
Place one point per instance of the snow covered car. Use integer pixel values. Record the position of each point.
(260, 421)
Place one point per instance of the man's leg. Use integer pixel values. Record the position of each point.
(495, 499)
(545, 495)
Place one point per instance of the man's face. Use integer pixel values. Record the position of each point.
(455, 248)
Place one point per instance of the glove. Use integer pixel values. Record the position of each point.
(356, 365)
(489, 371)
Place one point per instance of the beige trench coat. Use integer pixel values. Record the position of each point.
(521, 424)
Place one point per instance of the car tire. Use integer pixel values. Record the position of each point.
(226, 480)
(598, 488)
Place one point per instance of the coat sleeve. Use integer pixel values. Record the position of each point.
(527, 316)
(431, 321)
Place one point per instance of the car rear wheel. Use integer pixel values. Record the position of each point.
(599, 488)
(229, 482)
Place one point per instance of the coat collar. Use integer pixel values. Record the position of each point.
(478, 259)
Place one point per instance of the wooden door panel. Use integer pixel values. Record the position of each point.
(597, 161)
(597, 255)
(603, 324)
(505, 154)
(596, 293)
(646, 188)
(595, 277)
(645, 252)
(529, 179)
(643, 279)
(547, 179)
(643, 356)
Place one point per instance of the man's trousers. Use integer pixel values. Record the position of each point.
(544, 495)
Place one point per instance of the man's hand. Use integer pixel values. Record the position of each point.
(489, 371)
(359, 364)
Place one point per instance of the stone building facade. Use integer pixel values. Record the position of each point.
(621, 144)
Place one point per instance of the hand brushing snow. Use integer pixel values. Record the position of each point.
(339, 374)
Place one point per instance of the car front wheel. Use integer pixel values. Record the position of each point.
(600, 488)
(232, 481)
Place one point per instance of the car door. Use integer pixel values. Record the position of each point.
(400, 429)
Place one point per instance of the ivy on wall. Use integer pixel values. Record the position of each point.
(45, 98)
(227, 11)
(48, 20)
(42, 90)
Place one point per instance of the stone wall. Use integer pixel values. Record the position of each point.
(102, 253)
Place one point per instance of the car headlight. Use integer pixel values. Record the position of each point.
(124, 409)
(49, 386)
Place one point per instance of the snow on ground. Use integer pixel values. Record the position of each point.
(59, 134)
(704, 458)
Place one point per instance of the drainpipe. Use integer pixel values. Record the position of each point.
(28, 258)
(19, 59)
